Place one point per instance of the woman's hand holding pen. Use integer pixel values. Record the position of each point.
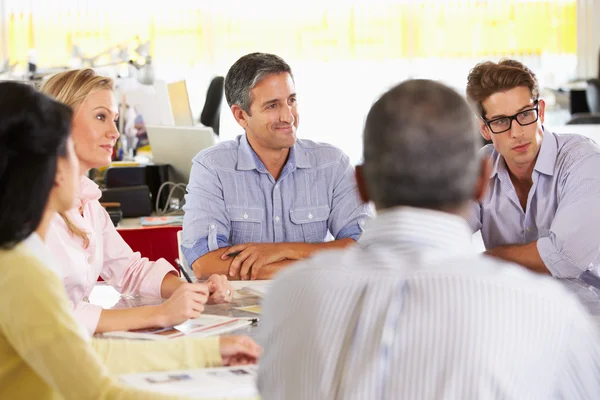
(185, 303)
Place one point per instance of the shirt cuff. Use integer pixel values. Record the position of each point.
(200, 248)
(153, 279)
(558, 265)
(87, 316)
(352, 231)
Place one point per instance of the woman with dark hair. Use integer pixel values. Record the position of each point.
(44, 354)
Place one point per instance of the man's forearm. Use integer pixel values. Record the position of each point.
(300, 251)
(526, 255)
(212, 263)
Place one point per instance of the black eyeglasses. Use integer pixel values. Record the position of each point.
(523, 118)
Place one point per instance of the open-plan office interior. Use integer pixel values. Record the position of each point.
(428, 229)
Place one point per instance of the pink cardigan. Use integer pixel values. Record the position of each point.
(107, 256)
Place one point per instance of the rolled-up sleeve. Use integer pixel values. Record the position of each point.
(474, 218)
(126, 270)
(572, 244)
(88, 316)
(348, 213)
(206, 225)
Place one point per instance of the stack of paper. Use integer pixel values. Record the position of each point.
(203, 326)
(223, 383)
(257, 288)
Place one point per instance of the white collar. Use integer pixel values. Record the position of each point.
(39, 249)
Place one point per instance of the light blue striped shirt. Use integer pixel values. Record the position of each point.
(413, 312)
(233, 199)
(563, 207)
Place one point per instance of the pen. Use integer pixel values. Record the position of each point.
(183, 271)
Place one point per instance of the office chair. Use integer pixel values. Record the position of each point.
(584, 119)
(592, 97)
(592, 94)
(211, 112)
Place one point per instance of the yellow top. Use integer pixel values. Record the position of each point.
(45, 355)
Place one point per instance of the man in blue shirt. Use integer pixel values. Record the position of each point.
(541, 208)
(267, 195)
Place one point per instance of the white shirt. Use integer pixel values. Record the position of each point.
(38, 247)
(413, 312)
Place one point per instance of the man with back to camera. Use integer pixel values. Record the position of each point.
(266, 196)
(413, 311)
(542, 207)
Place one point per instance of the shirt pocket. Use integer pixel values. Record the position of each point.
(246, 224)
(312, 221)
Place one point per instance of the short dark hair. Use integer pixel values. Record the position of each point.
(488, 77)
(247, 72)
(33, 133)
(420, 147)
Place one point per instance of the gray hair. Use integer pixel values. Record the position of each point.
(247, 72)
(420, 147)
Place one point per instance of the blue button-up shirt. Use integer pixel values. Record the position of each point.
(233, 199)
(563, 206)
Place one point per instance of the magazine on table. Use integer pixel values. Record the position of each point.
(224, 383)
(203, 326)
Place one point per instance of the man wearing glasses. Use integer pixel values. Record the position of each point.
(542, 207)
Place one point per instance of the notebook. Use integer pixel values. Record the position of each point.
(203, 326)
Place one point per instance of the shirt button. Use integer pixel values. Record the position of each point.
(212, 226)
(277, 219)
(362, 222)
(528, 229)
(277, 186)
(245, 216)
(310, 216)
(90, 260)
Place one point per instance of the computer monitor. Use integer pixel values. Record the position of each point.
(177, 146)
(180, 104)
(161, 104)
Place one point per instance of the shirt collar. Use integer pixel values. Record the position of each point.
(87, 191)
(37, 246)
(249, 160)
(419, 229)
(40, 250)
(498, 164)
(546, 160)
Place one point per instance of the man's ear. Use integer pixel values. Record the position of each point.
(485, 169)
(541, 110)
(484, 130)
(361, 185)
(240, 116)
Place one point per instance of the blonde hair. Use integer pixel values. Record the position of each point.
(72, 88)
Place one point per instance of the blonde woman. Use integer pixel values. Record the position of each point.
(85, 241)
(44, 353)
